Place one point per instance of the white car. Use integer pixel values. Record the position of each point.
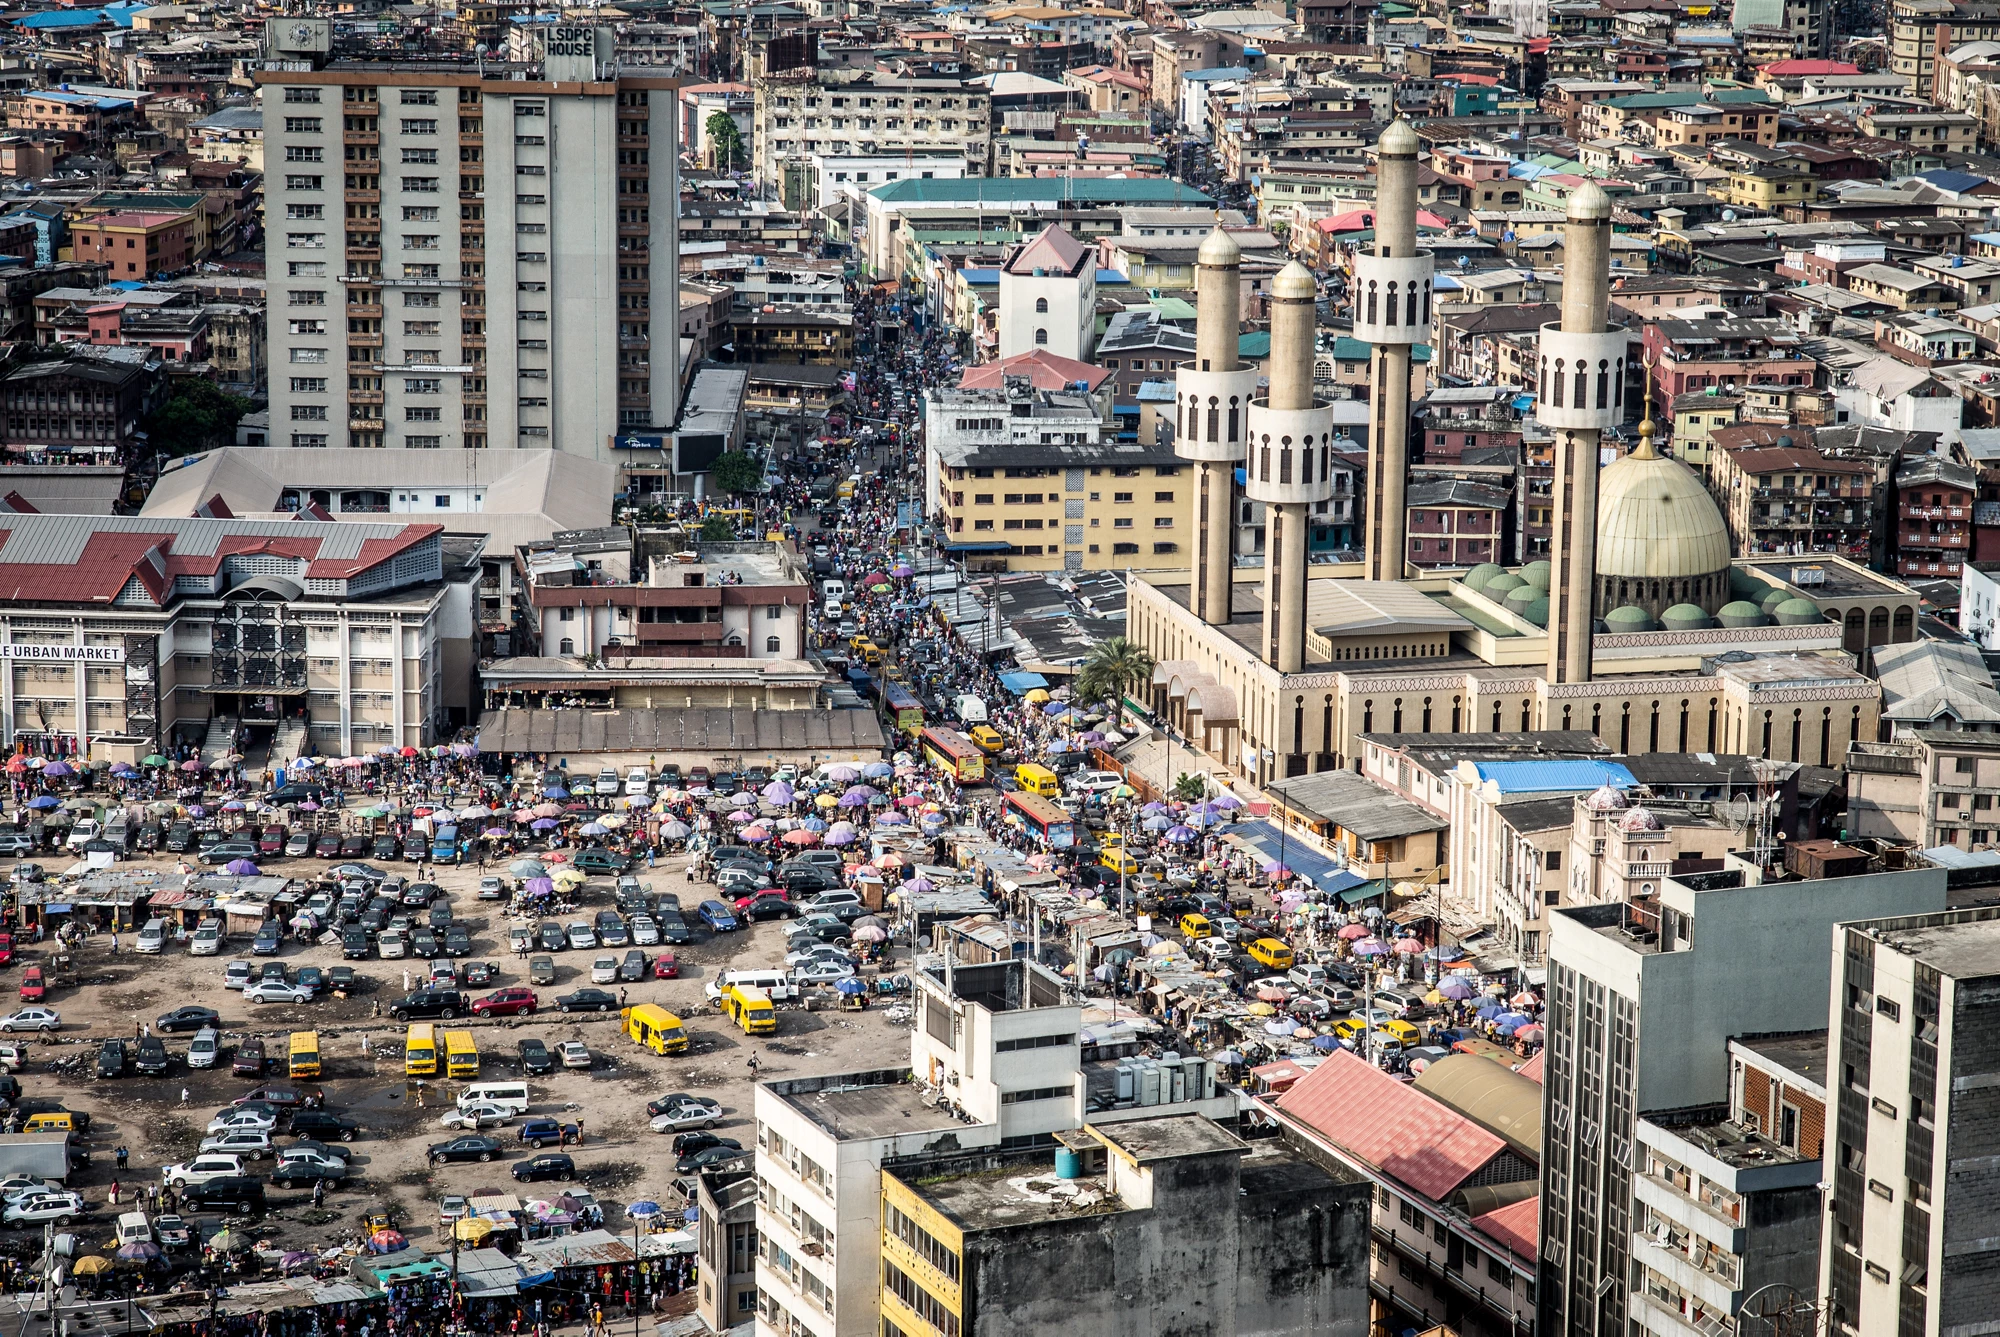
(1216, 949)
(231, 1120)
(15, 1187)
(819, 951)
(575, 1054)
(1096, 782)
(392, 945)
(276, 991)
(84, 831)
(680, 1118)
(638, 784)
(604, 970)
(201, 1169)
(236, 974)
(32, 1019)
(492, 889)
(475, 1117)
(240, 1142)
(607, 783)
(12, 1056)
(645, 932)
(318, 1160)
(35, 1208)
(207, 941)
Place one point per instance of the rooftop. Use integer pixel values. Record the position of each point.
(1169, 1136)
(1730, 1142)
(854, 1105)
(1802, 1053)
(1022, 1193)
(1958, 943)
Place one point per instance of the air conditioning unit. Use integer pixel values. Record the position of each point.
(1964, 814)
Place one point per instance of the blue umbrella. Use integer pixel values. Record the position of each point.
(1180, 835)
(875, 770)
(594, 828)
(1502, 1027)
(1153, 807)
(642, 1209)
(1457, 989)
(555, 791)
(1054, 708)
(850, 986)
(43, 802)
(812, 824)
(1512, 1019)
(1159, 821)
(1325, 1042)
(543, 824)
(1490, 1011)
(1058, 746)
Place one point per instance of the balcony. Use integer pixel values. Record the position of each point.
(355, 397)
(364, 197)
(360, 137)
(1942, 538)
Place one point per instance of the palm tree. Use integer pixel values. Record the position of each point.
(1111, 667)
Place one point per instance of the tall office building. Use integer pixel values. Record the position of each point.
(1641, 1008)
(1913, 1142)
(467, 255)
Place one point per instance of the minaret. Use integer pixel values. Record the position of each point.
(1289, 463)
(1581, 391)
(1212, 401)
(1392, 311)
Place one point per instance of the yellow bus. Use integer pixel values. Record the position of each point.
(420, 1050)
(304, 1055)
(656, 1028)
(1038, 780)
(461, 1055)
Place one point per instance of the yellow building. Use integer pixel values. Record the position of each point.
(1030, 480)
(1765, 188)
(1697, 416)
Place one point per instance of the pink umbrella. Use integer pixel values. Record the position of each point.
(190, 765)
(525, 816)
(1407, 947)
(548, 810)
(799, 838)
(739, 816)
(1523, 999)
(910, 801)
(1353, 931)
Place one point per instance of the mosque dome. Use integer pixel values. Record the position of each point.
(1743, 614)
(1605, 798)
(1537, 574)
(1686, 617)
(1219, 249)
(1660, 534)
(1628, 618)
(1638, 819)
(1475, 579)
(1496, 588)
(1797, 613)
(1521, 596)
(1538, 611)
(1771, 598)
(1295, 283)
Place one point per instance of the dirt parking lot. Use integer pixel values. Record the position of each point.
(621, 1160)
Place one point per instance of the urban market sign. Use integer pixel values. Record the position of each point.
(66, 654)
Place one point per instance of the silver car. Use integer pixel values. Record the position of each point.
(581, 937)
(645, 933)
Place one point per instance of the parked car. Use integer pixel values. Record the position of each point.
(276, 991)
(666, 966)
(305, 1174)
(242, 1195)
(539, 1133)
(587, 1000)
(574, 1053)
(535, 1058)
(250, 1060)
(31, 1019)
(324, 1125)
(632, 968)
(541, 970)
(511, 1002)
(678, 1118)
(473, 1118)
(551, 1166)
(462, 1149)
(189, 1018)
(111, 1059)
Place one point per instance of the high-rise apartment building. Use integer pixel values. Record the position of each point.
(1643, 998)
(468, 255)
(1913, 1142)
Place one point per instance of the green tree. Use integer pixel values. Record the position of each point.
(1111, 667)
(1190, 788)
(717, 529)
(735, 472)
(198, 416)
(725, 141)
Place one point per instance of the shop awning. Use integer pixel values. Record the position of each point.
(1018, 683)
(991, 545)
(1287, 848)
(1364, 891)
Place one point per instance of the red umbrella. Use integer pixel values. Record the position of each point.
(409, 752)
(17, 765)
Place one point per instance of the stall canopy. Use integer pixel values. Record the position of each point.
(1017, 683)
(1291, 850)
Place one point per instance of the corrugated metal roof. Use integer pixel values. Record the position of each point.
(718, 729)
(1390, 1127)
(1515, 1225)
(590, 1248)
(1551, 777)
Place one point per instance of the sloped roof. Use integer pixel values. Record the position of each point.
(1044, 370)
(1517, 1225)
(1054, 250)
(1923, 680)
(1392, 1128)
(1552, 776)
(1493, 1096)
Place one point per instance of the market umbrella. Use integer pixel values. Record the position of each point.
(1228, 1058)
(920, 885)
(1226, 802)
(543, 824)
(778, 792)
(190, 766)
(495, 833)
(91, 1265)
(890, 860)
(1280, 1026)
(1180, 835)
(1054, 708)
(1489, 1012)
(528, 868)
(853, 800)
(840, 837)
(876, 770)
(869, 933)
(843, 774)
(387, 1241)
(1407, 946)
(1525, 998)
(594, 829)
(1325, 1043)
(1159, 821)
(902, 571)
(675, 830)
(1453, 987)
(1274, 869)
(892, 819)
(152, 759)
(139, 1251)
(1036, 697)
(1512, 1019)
(471, 1229)
(825, 801)
(43, 802)
(240, 867)
(309, 806)
(538, 886)
(1531, 1031)
(234, 805)
(742, 815)
(58, 769)
(555, 791)
(1371, 947)
(755, 833)
(812, 824)
(474, 812)
(743, 798)
(850, 986)
(801, 836)
(524, 816)
(1271, 993)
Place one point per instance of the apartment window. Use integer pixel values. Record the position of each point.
(304, 153)
(1041, 306)
(419, 127)
(306, 241)
(421, 185)
(420, 299)
(306, 297)
(425, 443)
(308, 355)
(1163, 496)
(1122, 522)
(308, 385)
(1887, 1007)
(1041, 336)
(311, 440)
(304, 182)
(1163, 522)
(418, 413)
(298, 95)
(419, 97)
(308, 413)
(302, 125)
(422, 385)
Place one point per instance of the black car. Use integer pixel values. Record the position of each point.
(415, 850)
(111, 1059)
(599, 860)
(587, 1000)
(341, 979)
(536, 1058)
(152, 1060)
(419, 894)
(440, 916)
(480, 972)
(463, 1149)
(432, 1005)
(149, 838)
(552, 1165)
(423, 942)
(687, 1144)
(303, 1174)
(180, 837)
(633, 968)
(296, 793)
(230, 1193)
(701, 1160)
(673, 928)
(550, 937)
(190, 1018)
(803, 879)
(768, 905)
(228, 851)
(384, 849)
(457, 942)
(323, 1126)
(354, 943)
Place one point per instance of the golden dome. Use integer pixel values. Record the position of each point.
(1219, 249)
(1656, 520)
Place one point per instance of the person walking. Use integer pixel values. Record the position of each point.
(184, 1097)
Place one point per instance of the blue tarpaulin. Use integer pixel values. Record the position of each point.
(1019, 683)
(1290, 850)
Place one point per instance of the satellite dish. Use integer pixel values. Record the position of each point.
(1738, 809)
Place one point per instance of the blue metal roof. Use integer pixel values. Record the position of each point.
(1288, 849)
(1550, 777)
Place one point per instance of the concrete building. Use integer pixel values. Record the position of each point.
(1643, 998)
(1162, 1216)
(1910, 1142)
(1048, 297)
(1777, 1086)
(805, 112)
(984, 1033)
(418, 302)
(1929, 787)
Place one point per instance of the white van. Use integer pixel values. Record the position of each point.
(510, 1096)
(133, 1228)
(202, 1050)
(152, 937)
(1308, 975)
(971, 710)
(775, 982)
(207, 939)
(834, 591)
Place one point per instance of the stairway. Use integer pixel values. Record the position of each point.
(221, 739)
(287, 743)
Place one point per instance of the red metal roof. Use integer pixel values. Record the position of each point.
(1798, 69)
(1517, 1225)
(1044, 370)
(1532, 1069)
(1388, 1126)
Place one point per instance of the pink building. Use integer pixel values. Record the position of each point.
(1456, 522)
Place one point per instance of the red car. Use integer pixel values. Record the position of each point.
(6, 949)
(665, 967)
(506, 1003)
(32, 986)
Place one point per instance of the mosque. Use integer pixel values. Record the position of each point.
(1641, 626)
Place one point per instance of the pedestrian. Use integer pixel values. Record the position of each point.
(184, 1097)
(114, 1193)
(122, 1154)
(319, 1193)
(406, 981)
(114, 944)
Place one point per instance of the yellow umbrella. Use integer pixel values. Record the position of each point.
(827, 801)
(1038, 697)
(90, 1266)
(472, 1228)
(1261, 1010)
(1434, 998)
(612, 820)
